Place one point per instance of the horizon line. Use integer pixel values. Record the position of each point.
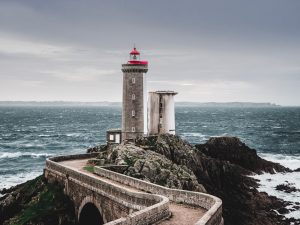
(119, 102)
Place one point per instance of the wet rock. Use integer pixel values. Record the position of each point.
(283, 210)
(287, 188)
(233, 150)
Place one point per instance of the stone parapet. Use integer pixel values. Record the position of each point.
(146, 208)
(213, 204)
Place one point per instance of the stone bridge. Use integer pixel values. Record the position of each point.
(107, 197)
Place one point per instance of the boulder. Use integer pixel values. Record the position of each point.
(233, 150)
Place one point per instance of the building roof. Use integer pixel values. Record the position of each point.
(134, 60)
(165, 92)
(134, 51)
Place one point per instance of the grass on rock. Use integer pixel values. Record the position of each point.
(89, 169)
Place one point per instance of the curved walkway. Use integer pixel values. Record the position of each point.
(181, 214)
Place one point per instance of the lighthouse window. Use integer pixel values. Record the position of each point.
(133, 113)
(133, 129)
(133, 97)
(160, 120)
(133, 80)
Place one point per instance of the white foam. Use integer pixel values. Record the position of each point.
(17, 179)
(222, 135)
(4, 155)
(268, 183)
(44, 135)
(193, 135)
(290, 161)
(73, 135)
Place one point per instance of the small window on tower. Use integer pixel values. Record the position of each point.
(133, 129)
(160, 120)
(133, 113)
(133, 97)
(133, 80)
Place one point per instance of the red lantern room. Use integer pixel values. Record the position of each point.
(135, 57)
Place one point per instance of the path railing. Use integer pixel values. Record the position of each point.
(151, 208)
(213, 216)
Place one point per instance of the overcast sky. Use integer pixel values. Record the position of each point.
(233, 50)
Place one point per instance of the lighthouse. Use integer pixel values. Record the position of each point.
(134, 106)
(141, 117)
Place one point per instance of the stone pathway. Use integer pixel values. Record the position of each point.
(181, 214)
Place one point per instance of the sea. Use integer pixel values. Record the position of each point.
(30, 134)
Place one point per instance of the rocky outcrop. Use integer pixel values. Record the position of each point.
(224, 177)
(151, 166)
(36, 202)
(219, 167)
(233, 150)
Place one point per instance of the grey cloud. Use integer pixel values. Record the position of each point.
(228, 50)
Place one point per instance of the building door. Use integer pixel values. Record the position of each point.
(117, 139)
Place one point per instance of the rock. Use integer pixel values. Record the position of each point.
(296, 207)
(98, 148)
(297, 170)
(220, 167)
(36, 202)
(233, 150)
(287, 188)
(283, 210)
(153, 167)
(224, 176)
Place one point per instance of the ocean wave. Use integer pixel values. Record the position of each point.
(73, 134)
(290, 161)
(46, 135)
(4, 155)
(222, 135)
(9, 181)
(268, 183)
(60, 135)
(193, 135)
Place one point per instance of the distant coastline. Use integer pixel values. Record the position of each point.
(106, 103)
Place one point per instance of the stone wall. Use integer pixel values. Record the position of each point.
(136, 72)
(213, 204)
(116, 204)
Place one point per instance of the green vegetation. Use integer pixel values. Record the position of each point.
(130, 160)
(89, 169)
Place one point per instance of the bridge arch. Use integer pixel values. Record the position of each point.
(90, 212)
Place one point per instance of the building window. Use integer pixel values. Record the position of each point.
(133, 80)
(133, 97)
(133, 113)
(160, 120)
(133, 129)
(111, 137)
